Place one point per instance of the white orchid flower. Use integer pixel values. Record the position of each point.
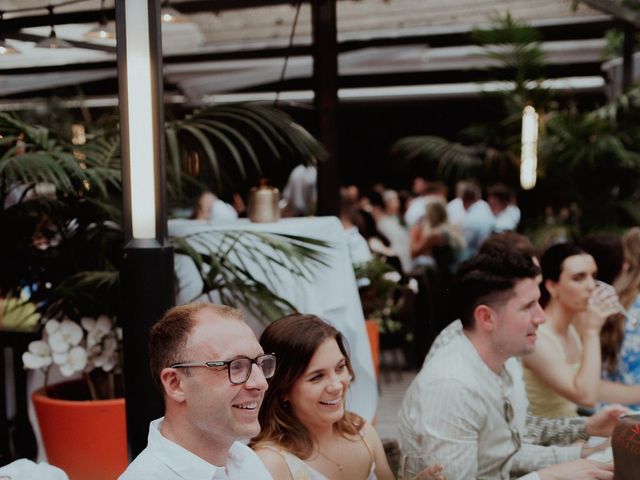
(67, 335)
(392, 276)
(38, 355)
(96, 329)
(75, 361)
(413, 285)
(107, 357)
(51, 326)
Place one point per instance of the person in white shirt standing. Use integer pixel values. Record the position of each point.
(468, 407)
(501, 201)
(212, 373)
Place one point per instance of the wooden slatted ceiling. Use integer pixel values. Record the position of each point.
(272, 25)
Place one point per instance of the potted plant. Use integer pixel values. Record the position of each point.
(383, 293)
(61, 248)
(68, 423)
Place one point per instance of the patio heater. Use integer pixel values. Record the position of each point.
(147, 272)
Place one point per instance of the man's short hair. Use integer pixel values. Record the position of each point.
(489, 278)
(508, 241)
(501, 192)
(168, 338)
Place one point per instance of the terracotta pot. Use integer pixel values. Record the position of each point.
(373, 332)
(85, 438)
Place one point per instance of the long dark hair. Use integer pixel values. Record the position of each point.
(294, 339)
(551, 265)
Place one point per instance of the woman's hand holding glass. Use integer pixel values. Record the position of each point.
(603, 302)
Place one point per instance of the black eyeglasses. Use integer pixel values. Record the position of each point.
(239, 369)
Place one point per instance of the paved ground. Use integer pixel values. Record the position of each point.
(392, 388)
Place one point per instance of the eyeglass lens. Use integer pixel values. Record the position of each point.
(240, 368)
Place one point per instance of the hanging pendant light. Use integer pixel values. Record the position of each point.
(103, 29)
(5, 48)
(53, 41)
(170, 14)
(529, 152)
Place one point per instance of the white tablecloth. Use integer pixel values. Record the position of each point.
(332, 294)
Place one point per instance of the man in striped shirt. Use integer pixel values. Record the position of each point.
(468, 407)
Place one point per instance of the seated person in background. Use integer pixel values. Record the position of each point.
(620, 336)
(425, 192)
(436, 239)
(211, 208)
(468, 406)
(356, 243)
(565, 368)
(208, 408)
(299, 196)
(306, 431)
(607, 251)
(501, 201)
(384, 210)
(478, 221)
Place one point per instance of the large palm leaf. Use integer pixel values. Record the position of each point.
(78, 273)
(246, 268)
(451, 160)
(236, 144)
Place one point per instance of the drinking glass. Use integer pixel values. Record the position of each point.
(413, 465)
(632, 319)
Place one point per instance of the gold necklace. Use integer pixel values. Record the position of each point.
(339, 465)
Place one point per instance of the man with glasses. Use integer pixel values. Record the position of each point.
(467, 407)
(212, 373)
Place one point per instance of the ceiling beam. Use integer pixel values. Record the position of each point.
(617, 9)
(436, 77)
(27, 37)
(13, 24)
(550, 32)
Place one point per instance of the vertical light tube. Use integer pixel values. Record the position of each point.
(140, 124)
(529, 151)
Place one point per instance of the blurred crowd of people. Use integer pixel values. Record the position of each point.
(423, 227)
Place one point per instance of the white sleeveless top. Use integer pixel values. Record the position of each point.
(301, 471)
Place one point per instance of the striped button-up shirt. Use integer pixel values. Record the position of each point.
(474, 421)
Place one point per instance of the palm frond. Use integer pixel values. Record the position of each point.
(452, 160)
(247, 268)
(239, 143)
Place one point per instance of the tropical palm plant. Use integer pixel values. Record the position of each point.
(592, 159)
(228, 147)
(490, 149)
(63, 246)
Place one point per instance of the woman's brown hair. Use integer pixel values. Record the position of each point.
(628, 287)
(294, 339)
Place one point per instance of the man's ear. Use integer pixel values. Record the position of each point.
(172, 383)
(485, 317)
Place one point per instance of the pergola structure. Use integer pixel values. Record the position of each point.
(227, 46)
(334, 51)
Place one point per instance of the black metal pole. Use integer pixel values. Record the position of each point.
(325, 86)
(147, 274)
(627, 55)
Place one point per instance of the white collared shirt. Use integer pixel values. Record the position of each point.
(166, 460)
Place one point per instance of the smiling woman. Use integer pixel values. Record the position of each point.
(306, 429)
(307, 433)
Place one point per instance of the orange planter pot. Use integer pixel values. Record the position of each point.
(373, 332)
(85, 438)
